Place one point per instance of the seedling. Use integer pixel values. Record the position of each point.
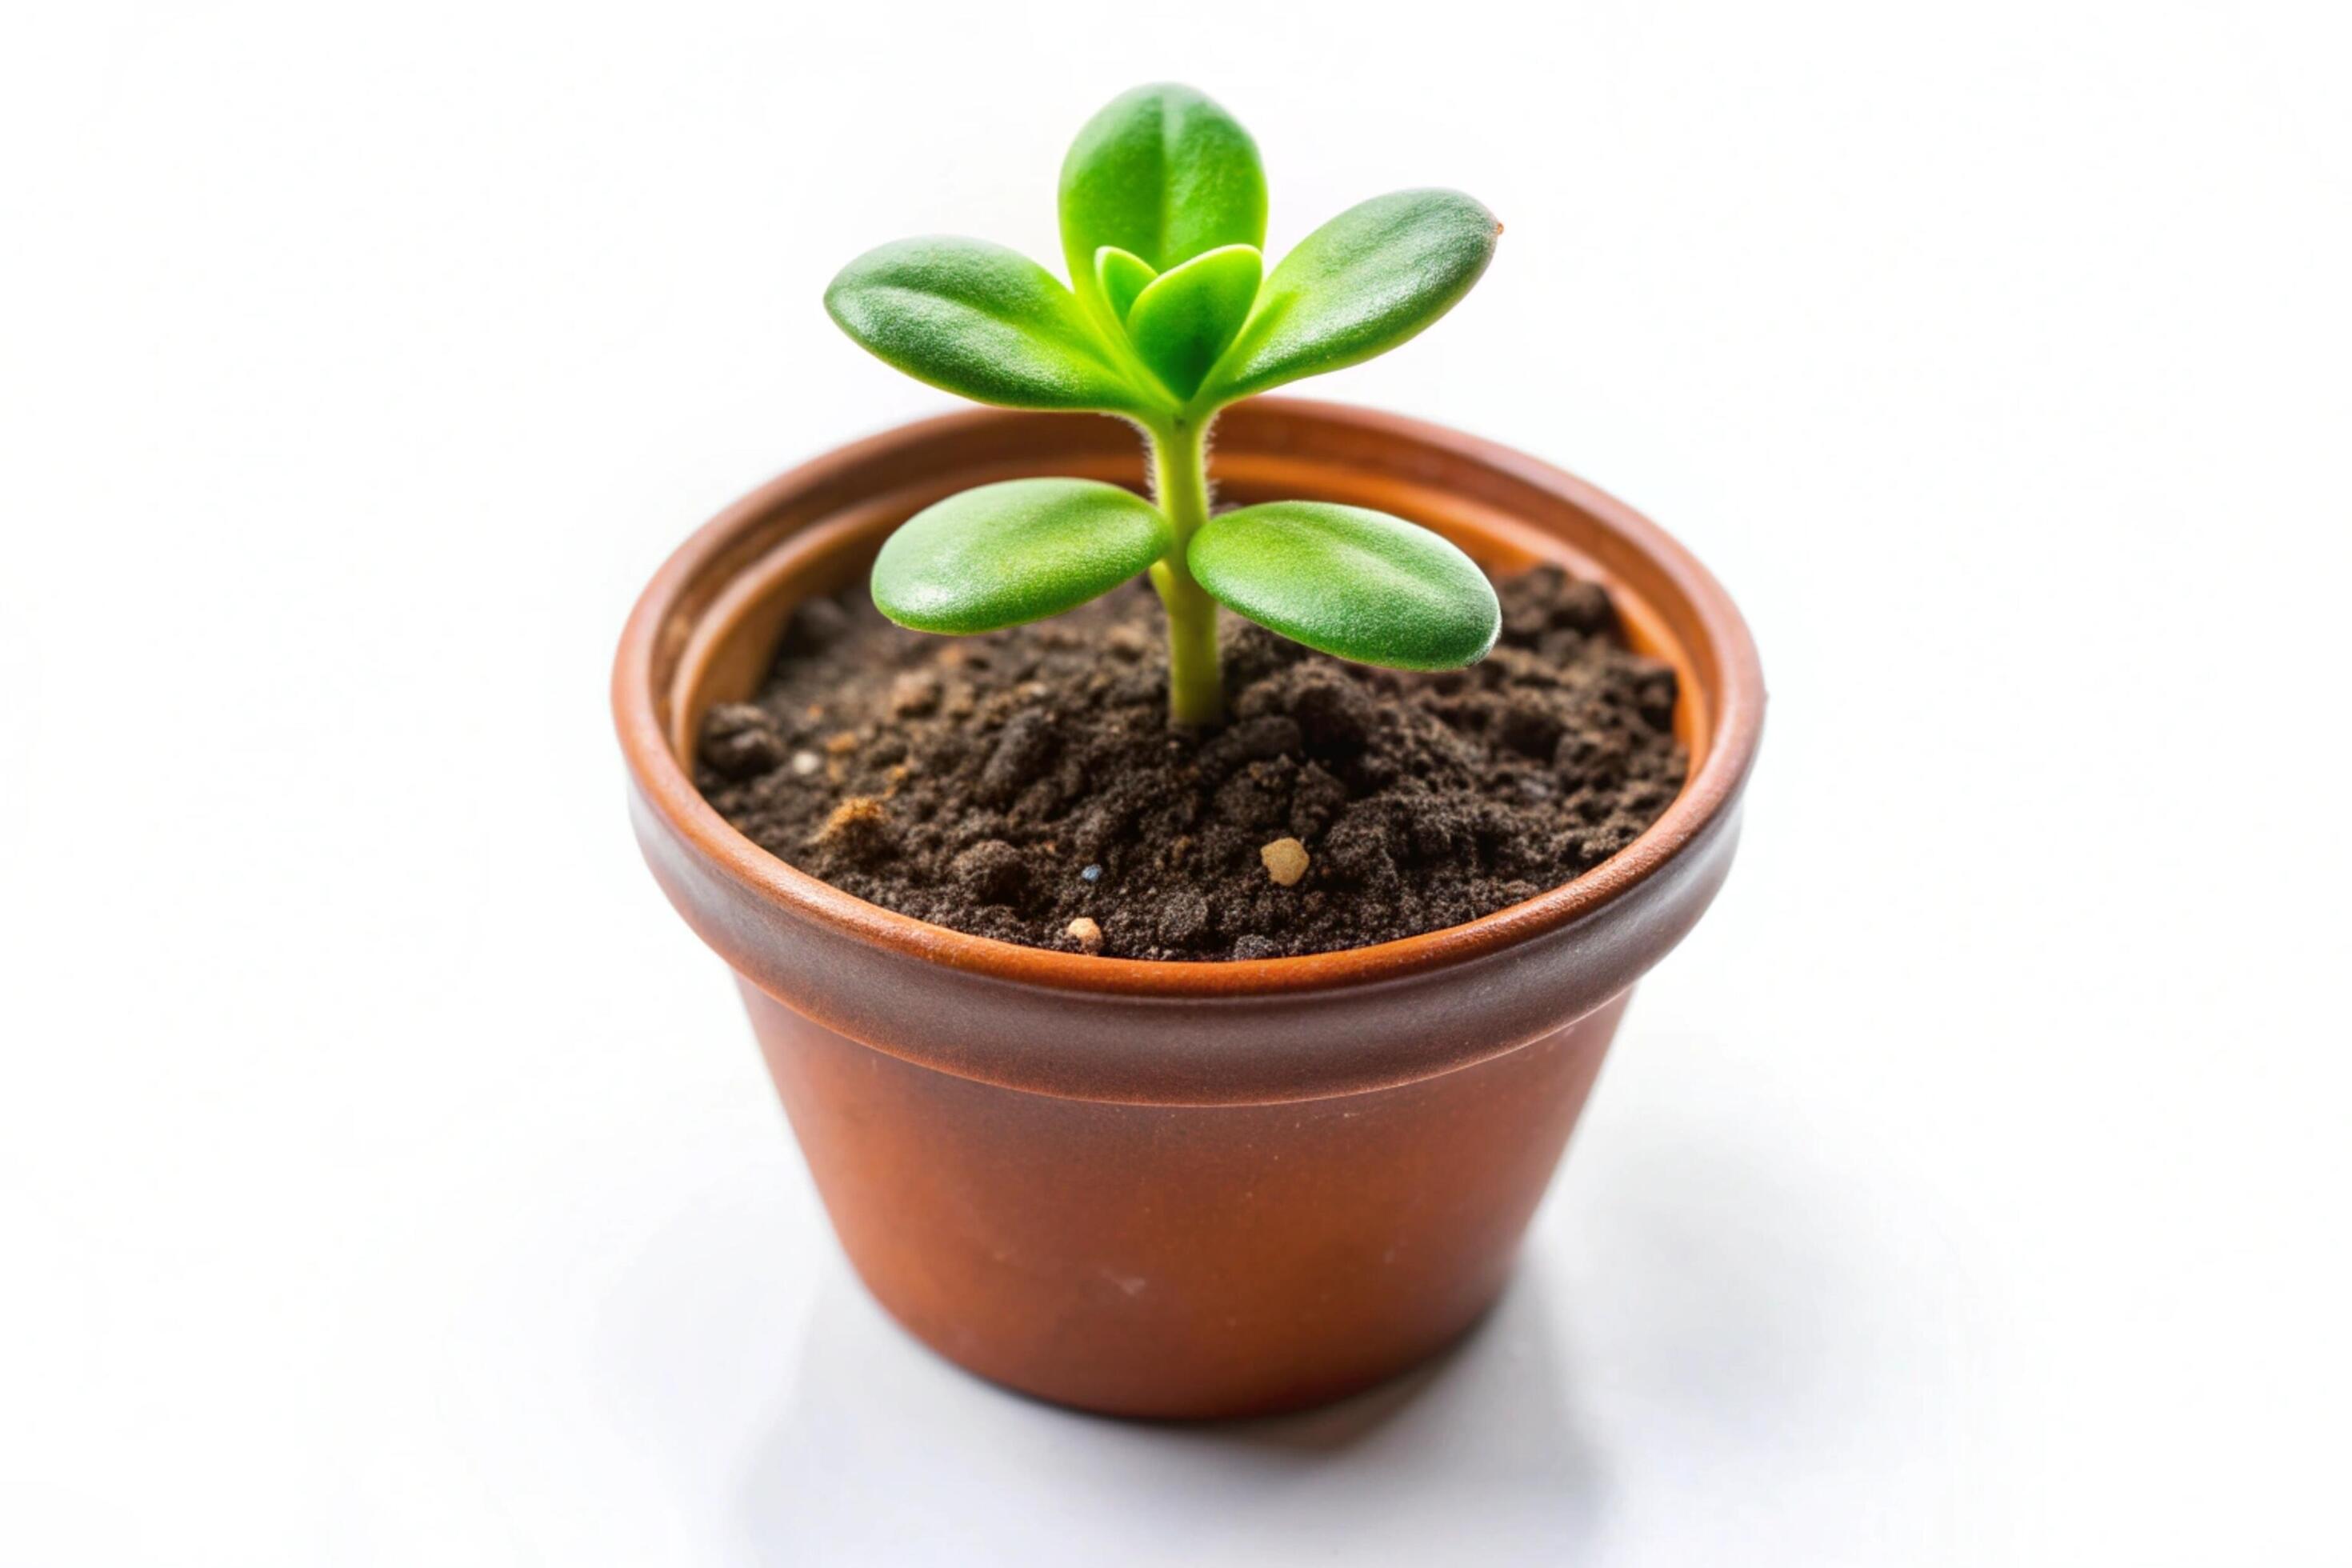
(1171, 317)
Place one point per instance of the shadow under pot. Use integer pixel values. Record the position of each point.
(1163, 1189)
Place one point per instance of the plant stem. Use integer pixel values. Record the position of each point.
(1180, 477)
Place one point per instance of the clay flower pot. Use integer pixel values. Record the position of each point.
(1178, 1189)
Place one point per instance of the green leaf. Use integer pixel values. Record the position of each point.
(1004, 554)
(979, 319)
(1183, 319)
(1361, 584)
(1358, 286)
(1164, 174)
(1121, 275)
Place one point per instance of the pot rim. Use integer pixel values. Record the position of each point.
(668, 788)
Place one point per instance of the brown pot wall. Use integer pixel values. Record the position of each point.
(1178, 1189)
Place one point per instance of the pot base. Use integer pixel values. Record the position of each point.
(1179, 1261)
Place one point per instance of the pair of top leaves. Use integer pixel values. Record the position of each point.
(1163, 210)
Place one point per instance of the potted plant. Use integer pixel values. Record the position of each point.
(1182, 1025)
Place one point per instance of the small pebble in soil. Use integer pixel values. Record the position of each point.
(1086, 933)
(1285, 861)
(1091, 874)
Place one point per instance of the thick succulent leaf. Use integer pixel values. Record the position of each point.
(1161, 173)
(1358, 286)
(1008, 553)
(1183, 318)
(979, 319)
(1121, 275)
(1346, 580)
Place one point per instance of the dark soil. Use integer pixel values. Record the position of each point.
(1015, 784)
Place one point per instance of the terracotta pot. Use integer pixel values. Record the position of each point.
(1178, 1189)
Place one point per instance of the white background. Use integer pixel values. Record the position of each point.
(386, 1175)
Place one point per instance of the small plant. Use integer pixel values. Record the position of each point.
(1173, 316)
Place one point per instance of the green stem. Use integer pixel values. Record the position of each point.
(1180, 477)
